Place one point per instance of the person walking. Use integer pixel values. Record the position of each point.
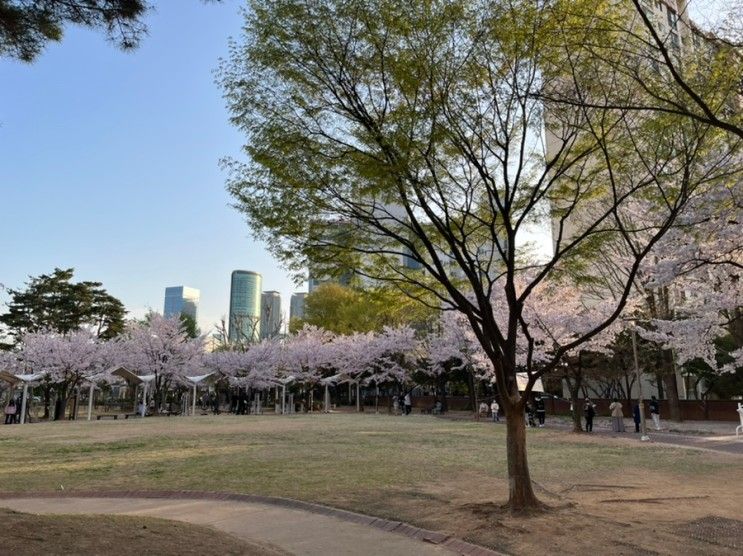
(636, 417)
(494, 408)
(541, 411)
(655, 412)
(10, 411)
(589, 411)
(408, 402)
(617, 416)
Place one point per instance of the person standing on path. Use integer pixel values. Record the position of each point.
(408, 403)
(589, 410)
(541, 411)
(10, 411)
(636, 417)
(617, 416)
(655, 412)
(494, 408)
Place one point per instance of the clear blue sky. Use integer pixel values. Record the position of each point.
(109, 164)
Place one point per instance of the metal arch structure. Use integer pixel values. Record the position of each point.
(26, 380)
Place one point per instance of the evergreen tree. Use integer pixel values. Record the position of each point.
(53, 302)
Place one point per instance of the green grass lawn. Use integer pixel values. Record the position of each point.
(416, 468)
(309, 457)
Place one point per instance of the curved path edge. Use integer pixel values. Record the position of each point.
(453, 544)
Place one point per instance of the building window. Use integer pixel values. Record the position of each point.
(672, 19)
(675, 41)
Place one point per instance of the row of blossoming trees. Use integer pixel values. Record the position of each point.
(161, 347)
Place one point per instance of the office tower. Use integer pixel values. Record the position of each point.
(181, 300)
(296, 307)
(245, 307)
(270, 314)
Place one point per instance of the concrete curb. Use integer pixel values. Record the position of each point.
(455, 545)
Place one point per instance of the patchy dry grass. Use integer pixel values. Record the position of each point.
(439, 474)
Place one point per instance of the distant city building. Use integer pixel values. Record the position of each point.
(270, 314)
(296, 307)
(181, 300)
(245, 306)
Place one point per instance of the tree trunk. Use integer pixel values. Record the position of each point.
(441, 388)
(521, 497)
(60, 406)
(671, 387)
(471, 387)
(659, 384)
(576, 413)
(47, 400)
(674, 406)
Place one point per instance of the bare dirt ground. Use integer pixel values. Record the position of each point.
(622, 510)
(25, 534)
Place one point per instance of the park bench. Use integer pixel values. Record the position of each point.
(113, 416)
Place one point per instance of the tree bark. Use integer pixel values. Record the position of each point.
(60, 406)
(521, 497)
(471, 388)
(671, 387)
(576, 414)
(47, 399)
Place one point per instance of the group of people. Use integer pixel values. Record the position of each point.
(536, 412)
(13, 410)
(403, 403)
(617, 415)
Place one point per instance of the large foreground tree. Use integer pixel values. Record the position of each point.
(379, 131)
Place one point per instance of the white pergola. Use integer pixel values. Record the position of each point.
(26, 380)
(134, 378)
(196, 380)
(283, 382)
(334, 381)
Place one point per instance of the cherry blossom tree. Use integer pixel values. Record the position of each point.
(65, 360)
(160, 346)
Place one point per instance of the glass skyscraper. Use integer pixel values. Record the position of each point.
(296, 308)
(245, 306)
(181, 300)
(270, 314)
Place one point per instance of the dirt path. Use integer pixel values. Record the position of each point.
(293, 531)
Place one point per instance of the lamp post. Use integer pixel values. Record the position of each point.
(640, 401)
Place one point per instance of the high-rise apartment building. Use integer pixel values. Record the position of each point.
(181, 300)
(245, 306)
(296, 307)
(270, 314)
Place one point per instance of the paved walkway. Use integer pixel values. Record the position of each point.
(717, 443)
(284, 529)
(718, 436)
